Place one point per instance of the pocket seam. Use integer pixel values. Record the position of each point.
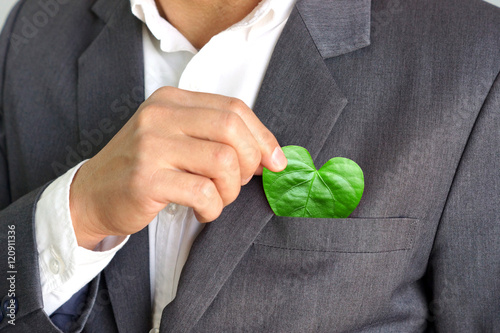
(329, 251)
(406, 242)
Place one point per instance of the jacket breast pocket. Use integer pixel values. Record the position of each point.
(350, 235)
(322, 275)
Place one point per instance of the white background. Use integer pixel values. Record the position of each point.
(5, 7)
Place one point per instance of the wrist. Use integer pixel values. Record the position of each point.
(84, 221)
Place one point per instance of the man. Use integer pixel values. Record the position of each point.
(409, 90)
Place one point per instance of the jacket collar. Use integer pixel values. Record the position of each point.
(337, 26)
(104, 9)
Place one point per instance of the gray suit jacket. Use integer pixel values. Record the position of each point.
(408, 89)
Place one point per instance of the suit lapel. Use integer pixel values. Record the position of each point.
(127, 280)
(110, 89)
(299, 102)
(110, 76)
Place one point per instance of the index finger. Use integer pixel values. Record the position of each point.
(273, 157)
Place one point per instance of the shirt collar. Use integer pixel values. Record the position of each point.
(266, 15)
(171, 40)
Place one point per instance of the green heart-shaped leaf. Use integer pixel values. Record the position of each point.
(300, 190)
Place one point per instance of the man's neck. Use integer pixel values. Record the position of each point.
(200, 20)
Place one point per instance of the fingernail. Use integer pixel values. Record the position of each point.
(279, 159)
(246, 181)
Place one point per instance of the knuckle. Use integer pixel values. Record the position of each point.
(165, 96)
(225, 158)
(152, 118)
(165, 92)
(231, 123)
(148, 116)
(203, 192)
(237, 106)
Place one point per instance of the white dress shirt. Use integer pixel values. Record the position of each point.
(232, 63)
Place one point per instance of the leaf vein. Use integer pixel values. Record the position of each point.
(307, 165)
(329, 190)
(286, 174)
(296, 209)
(291, 188)
(344, 179)
(309, 192)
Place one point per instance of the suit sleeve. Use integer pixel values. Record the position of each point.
(20, 288)
(464, 267)
(4, 45)
(65, 267)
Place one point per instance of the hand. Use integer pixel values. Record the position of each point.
(189, 148)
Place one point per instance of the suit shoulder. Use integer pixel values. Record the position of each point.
(37, 10)
(37, 18)
(42, 28)
(446, 30)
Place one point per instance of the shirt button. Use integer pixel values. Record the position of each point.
(172, 208)
(54, 266)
